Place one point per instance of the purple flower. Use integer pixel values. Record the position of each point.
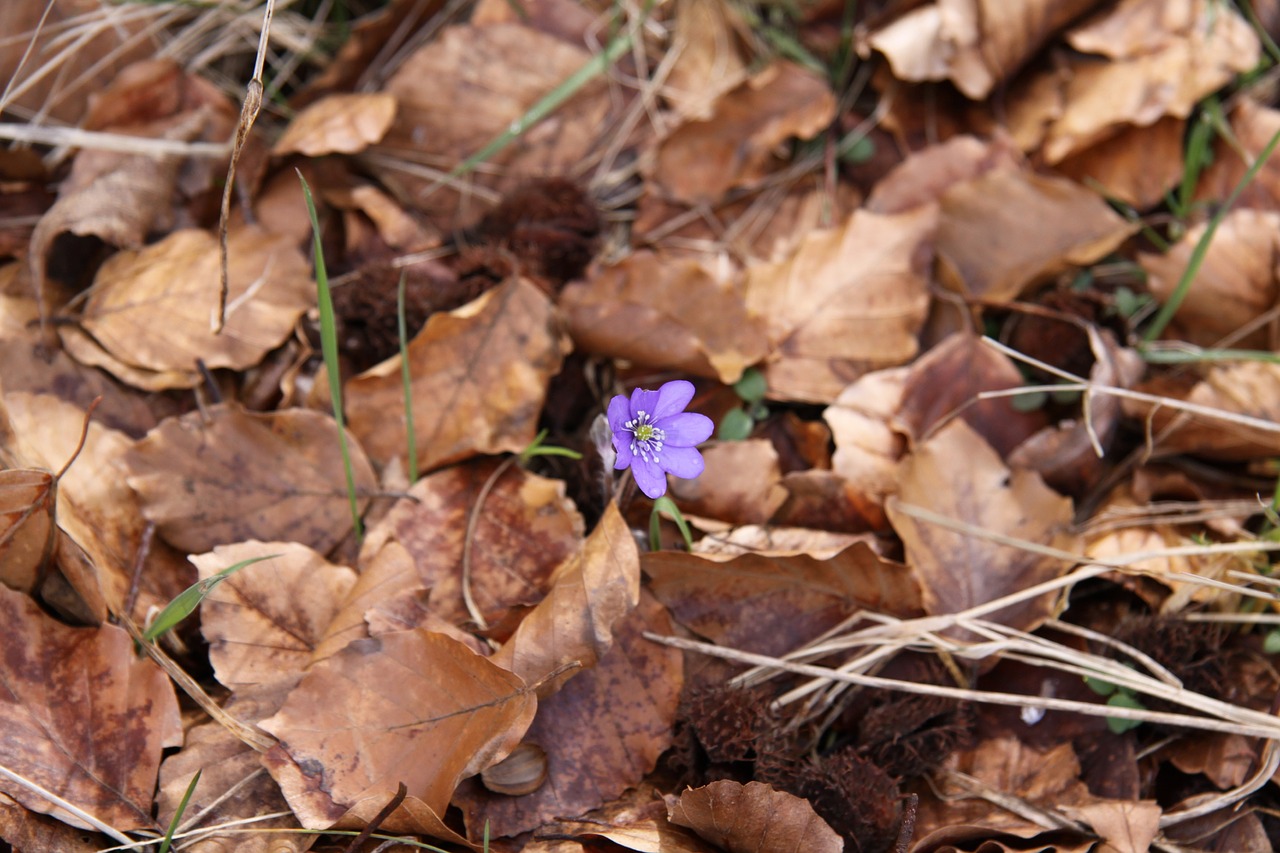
(654, 435)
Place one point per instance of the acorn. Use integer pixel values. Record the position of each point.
(521, 772)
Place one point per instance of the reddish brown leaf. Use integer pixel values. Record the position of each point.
(338, 124)
(754, 818)
(742, 483)
(26, 526)
(82, 715)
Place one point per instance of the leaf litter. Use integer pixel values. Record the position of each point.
(984, 566)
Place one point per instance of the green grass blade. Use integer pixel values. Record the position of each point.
(1201, 249)
(329, 346)
(177, 816)
(405, 381)
(186, 602)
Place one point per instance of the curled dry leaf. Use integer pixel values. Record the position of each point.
(525, 528)
(26, 526)
(991, 240)
(82, 715)
(667, 312)
(850, 300)
(735, 147)
(410, 706)
(602, 732)
(867, 446)
(710, 60)
(338, 124)
(1164, 58)
(151, 309)
(478, 379)
(1235, 284)
(242, 476)
(770, 604)
(754, 818)
(591, 590)
(264, 622)
(956, 474)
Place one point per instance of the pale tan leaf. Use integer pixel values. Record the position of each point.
(479, 377)
(867, 446)
(592, 589)
(338, 124)
(26, 526)
(754, 818)
(850, 300)
(152, 308)
(264, 622)
(417, 708)
(956, 474)
(1137, 165)
(242, 476)
(81, 715)
(711, 58)
(665, 311)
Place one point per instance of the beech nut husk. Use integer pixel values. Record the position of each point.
(521, 772)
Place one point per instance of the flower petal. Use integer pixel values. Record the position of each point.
(643, 401)
(672, 398)
(684, 462)
(622, 447)
(649, 477)
(619, 413)
(686, 429)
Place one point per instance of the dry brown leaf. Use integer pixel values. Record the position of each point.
(603, 731)
(1124, 827)
(443, 123)
(742, 483)
(242, 476)
(973, 43)
(264, 622)
(736, 146)
(635, 821)
(225, 762)
(412, 707)
(591, 590)
(709, 60)
(754, 818)
(26, 527)
(867, 446)
(387, 575)
(1164, 58)
(1226, 759)
(778, 542)
(479, 376)
(1235, 285)
(926, 174)
(945, 382)
(665, 312)
(850, 300)
(1137, 165)
(774, 604)
(36, 833)
(525, 528)
(1253, 125)
(1243, 388)
(338, 124)
(957, 474)
(152, 308)
(992, 242)
(82, 715)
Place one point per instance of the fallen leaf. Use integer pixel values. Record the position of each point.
(264, 623)
(667, 312)
(82, 715)
(710, 60)
(1136, 165)
(957, 474)
(591, 590)
(523, 531)
(925, 175)
(603, 731)
(26, 527)
(742, 483)
(36, 833)
(241, 476)
(338, 124)
(1252, 125)
(773, 604)
(850, 300)
(753, 818)
(478, 380)
(735, 147)
(409, 707)
(152, 308)
(867, 446)
(384, 577)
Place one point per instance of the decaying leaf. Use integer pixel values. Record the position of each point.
(754, 818)
(479, 376)
(667, 312)
(957, 474)
(83, 716)
(338, 124)
(410, 707)
(742, 483)
(711, 58)
(26, 526)
(263, 623)
(242, 476)
(850, 300)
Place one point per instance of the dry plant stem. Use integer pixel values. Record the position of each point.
(121, 143)
(104, 828)
(1043, 818)
(472, 521)
(1209, 803)
(248, 114)
(196, 819)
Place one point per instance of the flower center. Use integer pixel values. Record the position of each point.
(646, 439)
